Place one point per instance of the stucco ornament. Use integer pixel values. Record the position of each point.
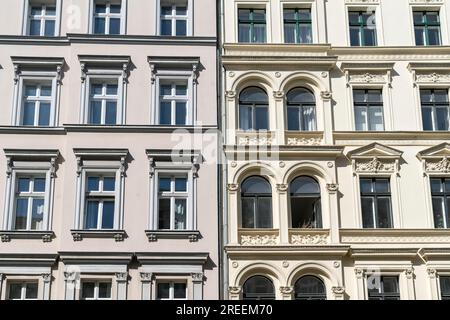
(309, 239)
(375, 165)
(259, 240)
(440, 166)
(286, 290)
(234, 290)
(304, 141)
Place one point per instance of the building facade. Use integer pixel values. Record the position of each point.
(336, 121)
(106, 192)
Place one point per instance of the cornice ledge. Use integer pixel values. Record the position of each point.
(117, 235)
(155, 235)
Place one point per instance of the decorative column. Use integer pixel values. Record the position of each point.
(283, 213)
(434, 288)
(279, 118)
(197, 286)
(47, 279)
(233, 217)
(70, 279)
(235, 293)
(360, 290)
(332, 189)
(409, 274)
(338, 293)
(146, 285)
(328, 117)
(287, 292)
(122, 281)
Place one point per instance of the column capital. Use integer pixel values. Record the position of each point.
(47, 277)
(431, 273)
(146, 276)
(121, 276)
(235, 290)
(197, 277)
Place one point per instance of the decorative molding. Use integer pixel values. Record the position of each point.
(426, 1)
(285, 264)
(259, 240)
(326, 95)
(442, 166)
(47, 277)
(287, 290)
(233, 187)
(338, 290)
(336, 264)
(234, 290)
(231, 95)
(309, 239)
(367, 78)
(432, 78)
(369, 236)
(117, 235)
(256, 141)
(70, 276)
(359, 273)
(431, 273)
(362, 2)
(197, 277)
(235, 264)
(281, 187)
(304, 141)
(6, 236)
(409, 273)
(278, 94)
(121, 276)
(374, 166)
(146, 276)
(155, 235)
(332, 187)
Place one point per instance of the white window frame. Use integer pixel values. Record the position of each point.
(26, 11)
(253, 4)
(96, 289)
(17, 167)
(437, 86)
(315, 17)
(103, 98)
(171, 289)
(122, 15)
(362, 6)
(38, 99)
(190, 15)
(383, 108)
(25, 72)
(173, 18)
(439, 6)
(173, 195)
(24, 284)
(174, 98)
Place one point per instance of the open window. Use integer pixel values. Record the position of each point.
(306, 211)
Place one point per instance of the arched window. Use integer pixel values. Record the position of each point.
(256, 199)
(301, 110)
(253, 109)
(305, 203)
(258, 288)
(310, 288)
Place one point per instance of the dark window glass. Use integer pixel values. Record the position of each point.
(310, 288)
(427, 28)
(363, 31)
(368, 106)
(297, 26)
(301, 105)
(252, 25)
(440, 193)
(445, 287)
(258, 288)
(376, 203)
(253, 109)
(256, 203)
(384, 288)
(305, 203)
(435, 109)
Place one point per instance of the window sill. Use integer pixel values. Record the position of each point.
(79, 235)
(46, 236)
(154, 235)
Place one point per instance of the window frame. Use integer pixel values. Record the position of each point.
(310, 296)
(443, 275)
(190, 16)
(104, 98)
(171, 289)
(446, 195)
(174, 99)
(374, 195)
(173, 18)
(425, 25)
(172, 196)
(361, 25)
(253, 107)
(256, 197)
(37, 99)
(301, 107)
(433, 107)
(26, 12)
(123, 17)
(23, 284)
(97, 283)
(429, 7)
(252, 22)
(318, 223)
(367, 105)
(382, 295)
(298, 22)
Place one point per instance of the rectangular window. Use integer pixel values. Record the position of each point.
(107, 17)
(440, 194)
(252, 25)
(363, 30)
(103, 103)
(29, 205)
(427, 28)
(95, 290)
(36, 104)
(171, 291)
(444, 283)
(435, 109)
(174, 19)
(173, 103)
(100, 202)
(386, 288)
(297, 25)
(23, 291)
(376, 203)
(368, 110)
(172, 202)
(42, 20)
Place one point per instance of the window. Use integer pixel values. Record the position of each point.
(253, 109)
(95, 290)
(301, 105)
(23, 291)
(297, 25)
(435, 109)
(252, 25)
(310, 288)
(30, 203)
(256, 198)
(42, 20)
(37, 102)
(100, 202)
(427, 28)
(440, 193)
(368, 110)
(258, 288)
(103, 103)
(362, 28)
(174, 19)
(171, 291)
(173, 103)
(107, 17)
(305, 203)
(385, 289)
(172, 202)
(445, 287)
(376, 203)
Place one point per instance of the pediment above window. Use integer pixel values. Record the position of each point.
(375, 158)
(430, 72)
(186, 159)
(367, 73)
(52, 65)
(167, 65)
(25, 158)
(96, 63)
(111, 158)
(436, 159)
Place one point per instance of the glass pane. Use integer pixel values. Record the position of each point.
(87, 290)
(419, 33)
(181, 11)
(95, 116)
(44, 114)
(369, 37)
(97, 89)
(309, 119)
(353, 17)
(36, 10)
(390, 285)
(264, 213)
(253, 95)
(310, 285)
(111, 112)
(164, 214)
(100, 8)
(289, 33)
(115, 8)
(256, 185)
(304, 185)
(418, 17)
(114, 26)
(37, 218)
(305, 34)
(359, 96)
(366, 185)
(166, 10)
(248, 212)
(39, 185)
(382, 186)
(181, 184)
(108, 215)
(441, 96)
(179, 290)
(376, 119)
(31, 291)
(244, 14)
(91, 215)
(181, 90)
(432, 17)
(164, 184)
(165, 113)
(111, 89)
(259, 15)
(15, 291)
(99, 25)
(438, 212)
(261, 118)
(24, 185)
(367, 208)
(384, 212)
(180, 214)
(46, 91)
(259, 33)
(354, 36)
(165, 90)
(109, 184)
(447, 185)
(442, 118)
(21, 214)
(300, 96)
(245, 118)
(163, 291)
(181, 112)
(293, 115)
(289, 14)
(93, 184)
(35, 27)
(181, 27)
(434, 36)
(427, 119)
(244, 32)
(49, 28)
(166, 27)
(426, 96)
(104, 290)
(361, 118)
(436, 185)
(28, 113)
(445, 285)
(374, 96)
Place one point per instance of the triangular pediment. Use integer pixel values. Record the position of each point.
(440, 151)
(375, 150)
